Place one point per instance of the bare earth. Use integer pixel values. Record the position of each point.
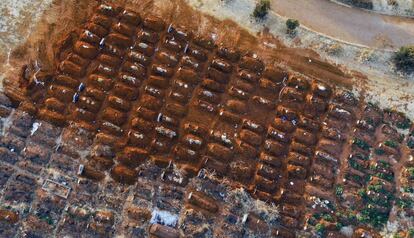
(349, 24)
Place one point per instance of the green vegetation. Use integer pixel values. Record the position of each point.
(408, 189)
(375, 199)
(381, 165)
(373, 217)
(359, 156)
(397, 235)
(368, 178)
(388, 177)
(411, 233)
(45, 217)
(410, 171)
(328, 217)
(347, 217)
(361, 144)
(355, 165)
(353, 177)
(391, 143)
(404, 59)
(379, 151)
(316, 216)
(262, 8)
(291, 25)
(370, 121)
(363, 194)
(339, 226)
(339, 190)
(384, 164)
(404, 124)
(320, 229)
(378, 188)
(403, 203)
(410, 143)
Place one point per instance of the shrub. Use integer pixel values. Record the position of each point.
(361, 144)
(403, 203)
(410, 171)
(404, 59)
(261, 9)
(291, 25)
(410, 143)
(404, 124)
(391, 143)
(411, 233)
(328, 217)
(339, 190)
(320, 228)
(408, 189)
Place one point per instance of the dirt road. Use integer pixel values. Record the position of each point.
(348, 24)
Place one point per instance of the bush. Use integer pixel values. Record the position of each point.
(261, 9)
(404, 59)
(411, 233)
(410, 172)
(339, 190)
(292, 24)
(320, 229)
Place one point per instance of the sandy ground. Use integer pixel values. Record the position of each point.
(349, 24)
(17, 20)
(403, 8)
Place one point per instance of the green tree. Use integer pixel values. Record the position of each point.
(404, 59)
(261, 9)
(291, 25)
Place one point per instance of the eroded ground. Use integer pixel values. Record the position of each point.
(156, 120)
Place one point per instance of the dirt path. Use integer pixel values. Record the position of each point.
(349, 24)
